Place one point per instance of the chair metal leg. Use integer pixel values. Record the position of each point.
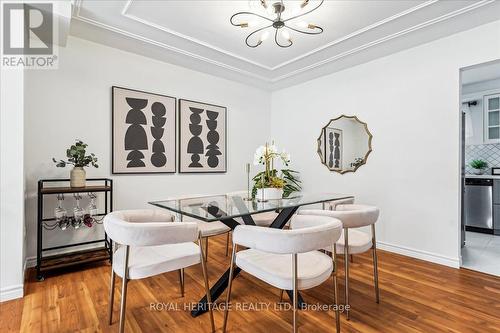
(346, 268)
(230, 284)
(375, 264)
(111, 296)
(295, 293)
(227, 243)
(206, 248)
(124, 290)
(335, 288)
(207, 287)
(181, 280)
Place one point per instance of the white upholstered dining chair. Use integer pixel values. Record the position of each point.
(287, 259)
(151, 244)
(354, 241)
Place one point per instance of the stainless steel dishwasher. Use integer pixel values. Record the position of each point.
(478, 199)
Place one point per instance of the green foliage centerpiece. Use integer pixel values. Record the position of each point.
(76, 156)
(272, 184)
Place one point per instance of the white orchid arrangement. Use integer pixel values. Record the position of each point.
(270, 177)
(266, 154)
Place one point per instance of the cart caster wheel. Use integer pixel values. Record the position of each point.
(40, 278)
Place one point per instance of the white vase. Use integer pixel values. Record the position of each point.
(77, 177)
(269, 193)
(478, 171)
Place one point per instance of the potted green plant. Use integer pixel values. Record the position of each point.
(479, 166)
(77, 157)
(272, 184)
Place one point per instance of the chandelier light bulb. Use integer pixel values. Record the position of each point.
(264, 36)
(286, 35)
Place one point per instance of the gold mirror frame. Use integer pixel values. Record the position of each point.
(370, 137)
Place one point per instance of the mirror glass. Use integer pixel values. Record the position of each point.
(344, 144)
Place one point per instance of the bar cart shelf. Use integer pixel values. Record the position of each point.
(45, 263)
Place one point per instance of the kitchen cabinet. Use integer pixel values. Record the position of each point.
(491, 118)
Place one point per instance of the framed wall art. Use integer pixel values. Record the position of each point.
(144, 132)
(202, 137)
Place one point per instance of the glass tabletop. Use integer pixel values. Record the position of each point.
(226, 206)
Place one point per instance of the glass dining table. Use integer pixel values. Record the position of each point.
(228, 207)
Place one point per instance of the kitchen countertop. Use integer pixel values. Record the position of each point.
(483, 176)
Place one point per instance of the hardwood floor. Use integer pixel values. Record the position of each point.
(416, 296)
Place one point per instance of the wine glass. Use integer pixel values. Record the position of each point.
(60, 213)
(78, 213)
(92, 211)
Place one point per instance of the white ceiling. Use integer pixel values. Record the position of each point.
(482, 72)
(198, 35)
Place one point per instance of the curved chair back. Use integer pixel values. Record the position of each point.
(352, 216)
(355, 216)
(315, 232)
(148, 228)
(332, 205)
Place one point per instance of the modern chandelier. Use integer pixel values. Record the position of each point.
(279, 22)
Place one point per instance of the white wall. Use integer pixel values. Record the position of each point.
(11, 184)
(75, 102)
(410, 101)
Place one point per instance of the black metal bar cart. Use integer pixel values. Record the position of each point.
(49, 262)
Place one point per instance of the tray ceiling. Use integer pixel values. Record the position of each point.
(197, 34)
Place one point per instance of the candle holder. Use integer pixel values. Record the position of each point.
(249, 195)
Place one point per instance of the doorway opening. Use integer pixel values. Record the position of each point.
(480, 143)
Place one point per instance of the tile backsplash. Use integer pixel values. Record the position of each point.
(489, 153)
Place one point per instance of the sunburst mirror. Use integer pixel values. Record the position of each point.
(344, 144)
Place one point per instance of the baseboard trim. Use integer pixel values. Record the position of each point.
(419, 254)
(12, 292)
(30, 262)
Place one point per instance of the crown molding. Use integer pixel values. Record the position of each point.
(77, 15)
(188, 38)
(386, 38)
(363, 30)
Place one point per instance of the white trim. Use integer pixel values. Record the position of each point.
(272, 68)
(303, 69)
(30, 262)
(387, 38)
(163, 45)
(188, 38)
(12, 292)
(419, 254)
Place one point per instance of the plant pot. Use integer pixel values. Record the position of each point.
(478, 171)
(269, 193)
(77, 177)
